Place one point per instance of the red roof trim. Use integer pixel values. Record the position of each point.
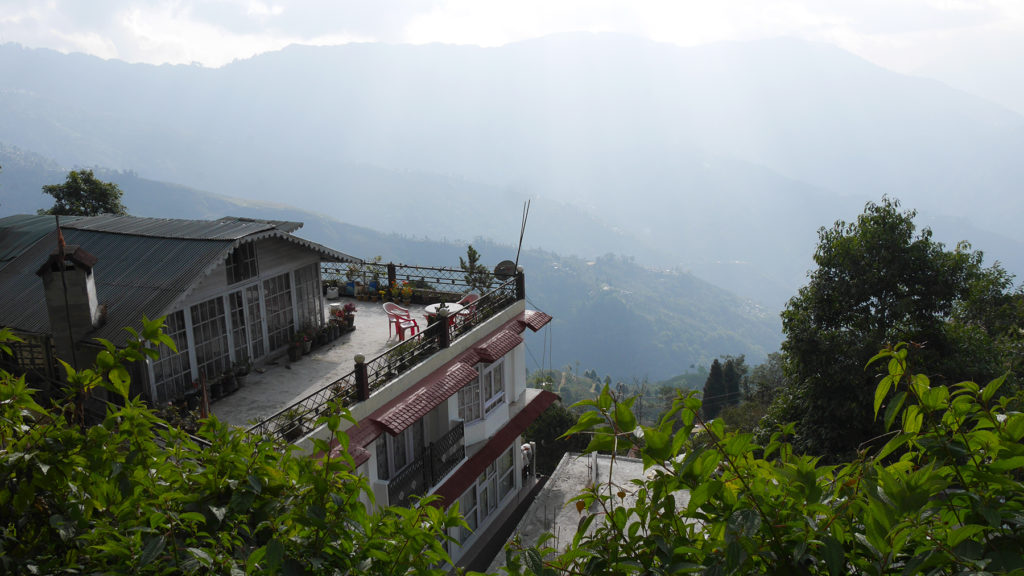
(498, 345)
(467, 474)
(368, 429)
(431, 392)
(535, 319)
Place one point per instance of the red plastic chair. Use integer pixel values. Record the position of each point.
(468, 303)
(401, 320)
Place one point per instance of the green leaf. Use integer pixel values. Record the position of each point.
(586, 421)
(912, 419)
(121, 380)
(881, 391)
(153, 548)
(991, 388)
(657, 444)
(893, 408)
(835, 559)
(533, 561)
(625, 421)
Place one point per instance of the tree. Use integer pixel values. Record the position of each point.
(547, 431)
(82, 194)
(714, 391)
(478, 277)
(766, 379)
(734, 373)
(878, 281)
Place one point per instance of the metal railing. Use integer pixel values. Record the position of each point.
(428, 284)
(437, 460)
(294, 421)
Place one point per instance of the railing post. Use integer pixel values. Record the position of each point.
(392, 276)
(520, 284)
(428, 465)
(444, 334)
(362, 378)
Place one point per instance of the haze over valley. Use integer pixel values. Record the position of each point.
(676, 192)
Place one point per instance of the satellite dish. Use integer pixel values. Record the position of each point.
(505, 270)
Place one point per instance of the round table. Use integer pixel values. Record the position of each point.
(453, 309)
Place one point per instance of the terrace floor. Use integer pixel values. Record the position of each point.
(279, 383)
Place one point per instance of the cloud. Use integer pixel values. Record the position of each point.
(892, 32)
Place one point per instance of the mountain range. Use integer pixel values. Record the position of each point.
(715, 163)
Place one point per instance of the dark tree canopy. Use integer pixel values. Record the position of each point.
(82, 194)
(878, 281)
(714, 390)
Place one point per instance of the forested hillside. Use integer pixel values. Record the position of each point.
(611, 314)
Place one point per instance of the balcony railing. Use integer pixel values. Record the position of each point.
(296, 420)
(438, 459)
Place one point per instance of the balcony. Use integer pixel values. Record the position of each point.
(437, 460)
(285, 401)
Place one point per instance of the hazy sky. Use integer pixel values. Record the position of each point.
(976, 45)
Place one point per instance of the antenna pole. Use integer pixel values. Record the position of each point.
(522, 229)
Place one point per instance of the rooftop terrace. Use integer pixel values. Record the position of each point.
(281, 383)
(283, 399)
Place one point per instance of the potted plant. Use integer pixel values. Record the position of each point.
(349, 316)
(295, 347)
(308, 335)
(333, 291)
(292, 425)
(216, 387)
(228, 382)
(242, 369)
(406, 292)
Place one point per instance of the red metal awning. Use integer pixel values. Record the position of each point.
(430, 393)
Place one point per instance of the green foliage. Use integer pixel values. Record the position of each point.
(880, 281)
(943, 493)
(132, 495)
(547, 431)
(478, 277)
(82, 194)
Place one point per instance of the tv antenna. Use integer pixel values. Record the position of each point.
(522, 229)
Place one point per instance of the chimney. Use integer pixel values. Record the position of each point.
(70, 298)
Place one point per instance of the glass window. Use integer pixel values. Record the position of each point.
(242, 263)
(277, 296)
(396, 452)
(239, 333)
(255, 317)
(308, 302)
(172, 373)
(480, 397)
(209, 335)
(468, 506)
(506, 480)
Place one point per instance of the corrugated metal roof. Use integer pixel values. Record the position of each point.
(20, 231)
(144, 264)
(134, 275)
(227, 228)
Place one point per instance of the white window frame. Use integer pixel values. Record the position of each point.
(408, 442)
(480, 397)
(485, 496)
